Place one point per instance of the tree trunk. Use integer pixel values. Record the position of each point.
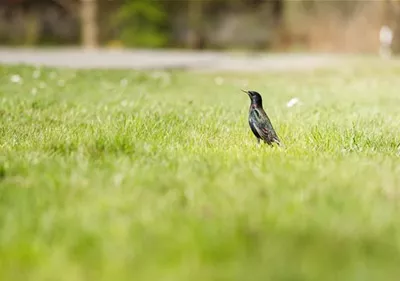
(89, 28)
(195, 38)
(31, 28)
(395, 9)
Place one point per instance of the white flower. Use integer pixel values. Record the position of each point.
(219, 81)
(123, 82)
(61, 83)
(124, 103)
(16, 78)
(292, 102)
(53, 75)
(36, 74)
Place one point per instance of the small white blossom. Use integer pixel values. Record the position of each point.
(219, 81)
(16, 78)
(53, 75)
(293, 102)
(124, 103)
(123, 82)
(36, 74)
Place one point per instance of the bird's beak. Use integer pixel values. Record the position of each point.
(244, 91)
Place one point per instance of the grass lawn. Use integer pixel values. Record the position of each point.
(124, 175)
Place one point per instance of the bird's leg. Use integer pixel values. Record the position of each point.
(258, 141)
(269, 143)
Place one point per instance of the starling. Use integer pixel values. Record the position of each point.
(259, 121)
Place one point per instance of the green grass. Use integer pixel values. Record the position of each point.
(123, 175)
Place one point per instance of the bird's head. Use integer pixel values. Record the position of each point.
(254, 97)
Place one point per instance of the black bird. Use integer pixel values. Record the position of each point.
(259, 121)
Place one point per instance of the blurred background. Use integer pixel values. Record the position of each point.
(265, 25)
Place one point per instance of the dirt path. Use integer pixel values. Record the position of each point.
(163, 59)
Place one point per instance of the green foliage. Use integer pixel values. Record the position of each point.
(141, 23)
(123, 175)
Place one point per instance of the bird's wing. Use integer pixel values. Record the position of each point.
(264, 127)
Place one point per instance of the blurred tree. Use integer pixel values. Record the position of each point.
(140, 23)
(32, 28)
(70, 6)
(261, 24)
(195, 38)
(393, 20)
(89, 27)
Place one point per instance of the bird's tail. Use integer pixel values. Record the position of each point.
(278, 142)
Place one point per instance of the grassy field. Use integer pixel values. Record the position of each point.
(123, 175)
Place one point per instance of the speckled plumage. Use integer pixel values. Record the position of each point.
(259, 121)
